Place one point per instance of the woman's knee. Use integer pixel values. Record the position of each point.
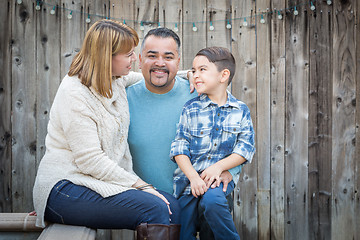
(157, 212)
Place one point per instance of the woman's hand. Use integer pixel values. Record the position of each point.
(33, 213)
(143, 186)
(211, 174)
(198, 186)
(156, 193)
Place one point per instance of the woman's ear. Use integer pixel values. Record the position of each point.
(225, 74)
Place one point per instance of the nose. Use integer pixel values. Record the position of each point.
(160, 62)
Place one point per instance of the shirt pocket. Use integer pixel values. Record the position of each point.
(200, 140)
(229, 136)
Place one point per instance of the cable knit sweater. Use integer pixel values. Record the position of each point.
(86, 143)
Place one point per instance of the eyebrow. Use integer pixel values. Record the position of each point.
(156, 52)
(200, 67)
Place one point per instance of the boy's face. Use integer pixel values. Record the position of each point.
(206, 76)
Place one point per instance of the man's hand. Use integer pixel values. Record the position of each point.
(189, 75)
(211, 175)
(225, 178)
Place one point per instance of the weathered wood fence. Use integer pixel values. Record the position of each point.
(299, 75)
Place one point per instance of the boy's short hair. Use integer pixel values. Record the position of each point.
(221, 57)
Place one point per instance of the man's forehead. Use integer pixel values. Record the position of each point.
(160, 45)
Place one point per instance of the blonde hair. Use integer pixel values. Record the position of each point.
(93, 64)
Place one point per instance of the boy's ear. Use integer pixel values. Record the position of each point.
(225, 74)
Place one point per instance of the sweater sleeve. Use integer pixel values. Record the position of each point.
(80, 128)
(132, 78)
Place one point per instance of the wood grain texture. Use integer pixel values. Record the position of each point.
(48, 70)
(296, 125)
(23, 105)
(263, 130)
(320, 111)
(244, 87)
(278, 101)
(193, 12)
(343, 124)
(6, 12)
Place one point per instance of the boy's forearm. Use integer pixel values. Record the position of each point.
(230, 161)
(185, 165)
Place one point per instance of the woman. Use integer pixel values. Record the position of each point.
(85, 177)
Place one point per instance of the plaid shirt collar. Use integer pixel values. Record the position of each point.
(231, 101)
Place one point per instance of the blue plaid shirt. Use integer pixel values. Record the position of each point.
(207, 133)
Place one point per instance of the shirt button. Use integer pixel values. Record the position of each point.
(218, 114)
(217, 129)
(215, 144)
(201, 132)
(209, 157)
(234, 129)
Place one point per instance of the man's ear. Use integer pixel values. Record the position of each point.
(225, 74)
(139, 60)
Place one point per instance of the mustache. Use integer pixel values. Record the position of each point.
(159, 69)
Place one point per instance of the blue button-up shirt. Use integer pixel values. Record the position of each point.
(208, 133)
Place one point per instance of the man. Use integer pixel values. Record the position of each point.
(155, 107)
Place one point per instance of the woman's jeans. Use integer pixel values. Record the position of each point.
(78, 205)
(216, 213)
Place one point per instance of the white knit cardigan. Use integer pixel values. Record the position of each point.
(86, 142)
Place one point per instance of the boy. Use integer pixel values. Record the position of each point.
(215, 133)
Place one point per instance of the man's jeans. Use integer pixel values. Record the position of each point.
(216, 213)
(78, 205)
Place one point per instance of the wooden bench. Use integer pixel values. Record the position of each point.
(12, 224)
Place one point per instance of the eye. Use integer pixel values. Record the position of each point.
(202, 69)
(151, 56)
(169, 57)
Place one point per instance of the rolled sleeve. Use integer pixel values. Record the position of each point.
(245, 144)
(181, 144)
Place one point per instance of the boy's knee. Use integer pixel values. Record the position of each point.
(212, 200)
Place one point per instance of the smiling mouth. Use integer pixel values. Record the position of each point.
(159, 71)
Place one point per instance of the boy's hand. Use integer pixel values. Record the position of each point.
(211, 174)
(198, 187)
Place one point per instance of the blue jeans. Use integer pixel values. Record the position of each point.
(78, 205)
(216, 213)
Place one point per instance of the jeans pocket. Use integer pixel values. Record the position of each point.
(52, 216)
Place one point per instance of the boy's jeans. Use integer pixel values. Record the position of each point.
(216, 213)
(72, 204)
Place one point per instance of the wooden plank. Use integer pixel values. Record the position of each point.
(146, 17)
(218, 12)
(244, 88)
(23, 105)
(357, 154)
(171, 16)
(72, 31)
(343, 125)
(263, 116)
(48, 71)
(320, 108)
(194, 12)
(296, 125)
(6, 12)
(277, 128)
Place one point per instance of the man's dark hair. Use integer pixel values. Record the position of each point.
(162, 33)
(221, 57)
